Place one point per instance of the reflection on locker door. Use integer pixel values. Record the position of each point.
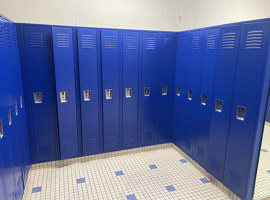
(150, 62)
(65, 90)
(130, 65)
(111, 98)
(89, 66)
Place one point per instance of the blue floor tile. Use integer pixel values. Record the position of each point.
(36, 189)
(183, 160)
(119, 173)
(131, 197)
(80, 180)
(268, 171)
(152, 166)
(170, 188)
(264, 150)
(204, 180)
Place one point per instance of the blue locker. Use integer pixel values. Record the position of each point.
(206, 93)
(229, 36)
(181, 91)
(166, 86)
(150, 62)
(111, 84)
(65, 90)
(130, 72)
(89, 68)
(250, 72)
(39, 74)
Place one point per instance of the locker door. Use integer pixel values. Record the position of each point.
(150, 62)
(166, 86)
(111, 85)
(206, 93)
(222, 97)
(39, 72)
(130, 65)
(191, 103)
(250, 72)
(65, 90)
(181, 91)
(89, 64)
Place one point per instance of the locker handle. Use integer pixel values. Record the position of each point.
(178, 91)
(63, 97)
(241, 113)
(204, 99)
(108, 93)
(147, 91)
(38, 97)
(219, 105)
(16, 108)
(128, 92)
(1, 129)
(87, 95)
(21, 102)
(164, 90)
(9, 117)
(190, 95)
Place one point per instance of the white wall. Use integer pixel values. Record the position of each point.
(135, 14)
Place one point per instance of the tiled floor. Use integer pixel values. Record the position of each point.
(157, 174)
(262, 187)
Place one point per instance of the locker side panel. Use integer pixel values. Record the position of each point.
(150, 62)
(65, 90)
(40, 75)
(206, 94)
(111, 84)
(222, 98)
(130, 65)
(245, 106)
(166, 86)
(88, 47)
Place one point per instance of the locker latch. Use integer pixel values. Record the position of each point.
(204, 98)
(128, 92)
(1, 129)
(241, 112)
(178, 91)
(21, 103)
(9, 117)
(108, 93)
(16, 108)
(37, 97)
(87, 95)
(219, 105)
(147, 91)
(190, 95)
(164, 90)
(63, 97)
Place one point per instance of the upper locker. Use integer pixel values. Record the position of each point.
(111, 85)
(247, 97)
(89, 68)
(65, 90)
(130, 90)
(165, 87)
(40, 92)
(222, 96)
(181, 94)
(150, 62)
(206, 93)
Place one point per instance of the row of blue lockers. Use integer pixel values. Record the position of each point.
(222, 81)
(91, 90)
(14, 147)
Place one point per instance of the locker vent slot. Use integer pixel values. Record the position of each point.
(219, 105)
(201, 153)
(228, 40)
(147, 91)
(131, 43)
(254, 39)
(87, 95)
(110, 42)
(211, 42)
(196, 42)
(178, 90)
(204, 99)
(9, 117)
(128, 92)
(1, 35)
(235, 179)
(21, 102)
(214, 165)
(190, 95)
(241, 112)
(38, 97)
(36, 40)
(1, 129)
(16, 108)
(63, 97)
(150, 44)
(14, 38)
(183, 43)
(164, 90)
(62, 40)
(108, 93)
(87, 41)
(169, 43)
(8, 36)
